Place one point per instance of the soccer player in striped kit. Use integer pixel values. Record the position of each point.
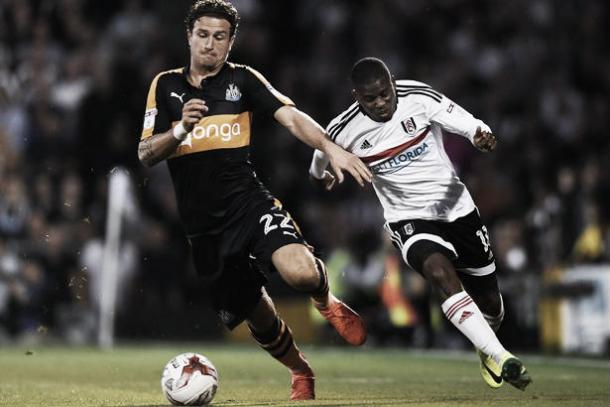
(395, 127)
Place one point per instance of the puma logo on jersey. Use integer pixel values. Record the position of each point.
(365, 145)
(177, 96)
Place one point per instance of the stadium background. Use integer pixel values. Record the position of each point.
(73, 81)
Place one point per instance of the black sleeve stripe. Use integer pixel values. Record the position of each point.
(335, 132)
(400, 85)
(420, 92)
(427, 88)
(348, 113)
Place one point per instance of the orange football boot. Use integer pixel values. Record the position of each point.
(345, 320)
(303, 386)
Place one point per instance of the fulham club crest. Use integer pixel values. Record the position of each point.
(409, 126)
(409, 229)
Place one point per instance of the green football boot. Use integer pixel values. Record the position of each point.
(490, 371)
(514, 372)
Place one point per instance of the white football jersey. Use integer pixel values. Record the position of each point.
(412, 175)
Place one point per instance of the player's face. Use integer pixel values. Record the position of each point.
(210, 42)
(377, 99)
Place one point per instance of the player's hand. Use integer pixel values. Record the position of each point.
(484, 140)
(328, 180)
(341, 160)
(192, 112)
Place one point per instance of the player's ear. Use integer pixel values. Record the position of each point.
(354, 94)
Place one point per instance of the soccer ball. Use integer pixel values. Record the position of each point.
(189, 379)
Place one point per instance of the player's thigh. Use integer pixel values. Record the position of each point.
(472, 243)
(297, 266)
(418, 240)
(274, 229)
(279, 246)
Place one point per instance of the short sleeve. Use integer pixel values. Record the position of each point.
(263, 97)
(156, 119)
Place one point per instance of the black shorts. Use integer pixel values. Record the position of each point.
(233, 263)
(464, 241)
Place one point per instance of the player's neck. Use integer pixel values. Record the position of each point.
(198, 73)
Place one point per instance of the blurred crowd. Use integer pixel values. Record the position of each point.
(74, 75)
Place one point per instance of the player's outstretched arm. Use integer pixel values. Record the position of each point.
(453, 118)
(311, 133)
(159, 146)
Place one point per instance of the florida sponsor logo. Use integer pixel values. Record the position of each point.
(399, 161)
(224, 132)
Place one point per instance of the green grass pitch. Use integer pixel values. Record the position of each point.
(130, 376)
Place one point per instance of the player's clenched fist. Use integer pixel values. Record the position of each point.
(192, 112)
(484, 140)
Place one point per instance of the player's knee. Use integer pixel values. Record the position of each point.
(304, 275)
(437, 267)
(297, 267)
(441, 273)
(490, 303)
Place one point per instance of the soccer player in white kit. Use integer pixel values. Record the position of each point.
(395, 127)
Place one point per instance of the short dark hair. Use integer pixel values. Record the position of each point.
(369, 69)
(215, 8)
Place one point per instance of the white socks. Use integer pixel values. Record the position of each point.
(461, 310)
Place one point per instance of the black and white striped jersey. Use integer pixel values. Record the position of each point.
(413, 177)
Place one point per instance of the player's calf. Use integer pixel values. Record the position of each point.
(279, 343)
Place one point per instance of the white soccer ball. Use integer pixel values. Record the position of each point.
(189, 379)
